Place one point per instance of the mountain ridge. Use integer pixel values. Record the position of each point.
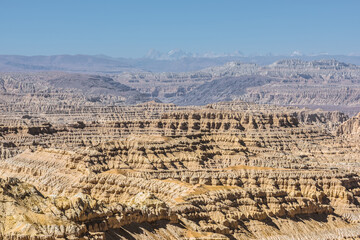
(105, 64)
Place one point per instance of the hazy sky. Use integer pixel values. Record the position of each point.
(130, 28)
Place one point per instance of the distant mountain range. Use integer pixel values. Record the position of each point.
(177, 54)
(154, 61)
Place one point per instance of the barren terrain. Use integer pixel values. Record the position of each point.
(182, 155)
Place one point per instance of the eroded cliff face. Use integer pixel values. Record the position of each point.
(350, 128)
(157, 171)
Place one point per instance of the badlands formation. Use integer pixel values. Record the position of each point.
(87, 157)
(328, 84)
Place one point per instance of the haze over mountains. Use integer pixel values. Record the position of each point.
(154, 61)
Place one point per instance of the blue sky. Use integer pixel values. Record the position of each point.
(130, 28)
